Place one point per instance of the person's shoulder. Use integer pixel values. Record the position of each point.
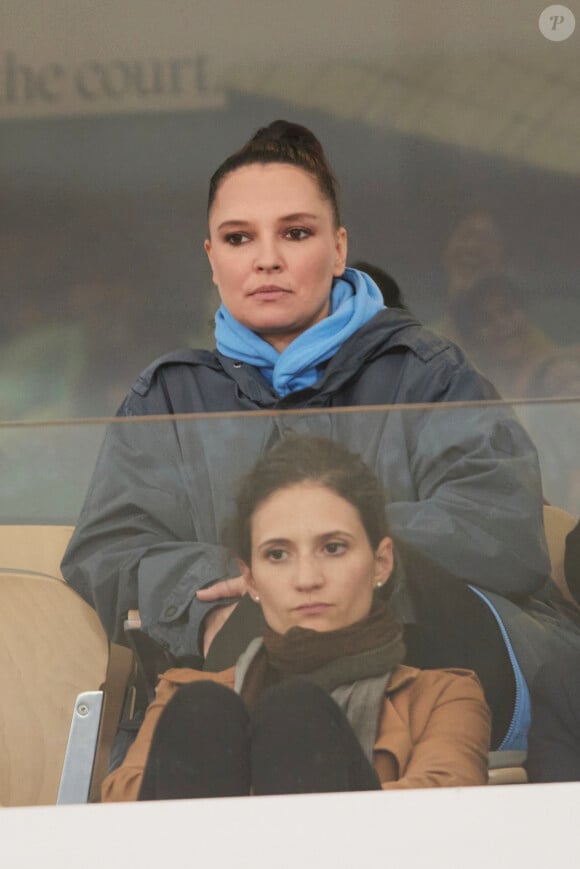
(434, 681)
(165, 386)
(173, 364)
(394, 328)
(436, 368)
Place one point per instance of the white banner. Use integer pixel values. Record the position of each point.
(479, 75)
(69, 56)
(103, 86)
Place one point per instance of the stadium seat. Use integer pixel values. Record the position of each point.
(54, 648)
(39, 548)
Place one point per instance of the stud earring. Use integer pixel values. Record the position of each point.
(257, 598)
(379, 584)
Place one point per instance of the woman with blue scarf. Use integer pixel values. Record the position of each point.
(297, 330)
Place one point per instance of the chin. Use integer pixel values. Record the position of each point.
(319, 623)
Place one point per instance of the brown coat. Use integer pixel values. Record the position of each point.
(434, 731)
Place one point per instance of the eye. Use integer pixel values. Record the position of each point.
(298, 233)
(276, 555)
(335, 547)
(235, 239)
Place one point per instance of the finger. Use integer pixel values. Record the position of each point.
(226, 588)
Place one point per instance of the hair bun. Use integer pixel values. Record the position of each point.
(282, 132)
(283, 142)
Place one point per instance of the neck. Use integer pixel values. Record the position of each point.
(281, 340)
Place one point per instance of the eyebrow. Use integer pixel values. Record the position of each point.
(339, 532)
(287, 218)
(327, 535)
(273, 541)
(299, 215)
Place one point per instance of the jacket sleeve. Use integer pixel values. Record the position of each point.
(476, 506)
(449, 729)
(141, 540)
(123, 784)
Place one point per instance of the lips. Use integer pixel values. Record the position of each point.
(269, 291)
(312, 609)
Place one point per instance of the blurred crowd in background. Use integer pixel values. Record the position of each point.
(88, 302)
(487, 314)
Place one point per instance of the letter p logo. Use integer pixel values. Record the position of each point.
(557, 23)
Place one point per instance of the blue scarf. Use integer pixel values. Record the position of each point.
(354, 300)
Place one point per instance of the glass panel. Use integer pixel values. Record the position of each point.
(46, 467)
(555, 430)
(463, 507)
(45, 471)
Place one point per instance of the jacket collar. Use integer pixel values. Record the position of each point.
(401, 677)
(387, 331)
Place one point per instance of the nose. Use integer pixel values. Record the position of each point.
(268, 257)
(309, 575)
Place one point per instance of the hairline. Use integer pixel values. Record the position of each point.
(272, 162)
(312, 482)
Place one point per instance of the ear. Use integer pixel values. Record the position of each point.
(341, 252)
(383, 561)
(249, 580)
(207, 249)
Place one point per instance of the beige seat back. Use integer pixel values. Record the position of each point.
(38, 548)
(52, 647)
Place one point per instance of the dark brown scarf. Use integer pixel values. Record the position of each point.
(371, 647)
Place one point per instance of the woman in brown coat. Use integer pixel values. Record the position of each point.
(321, 702)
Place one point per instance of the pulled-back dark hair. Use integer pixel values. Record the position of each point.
(390, 290)
(283, 142)
(298, 459)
